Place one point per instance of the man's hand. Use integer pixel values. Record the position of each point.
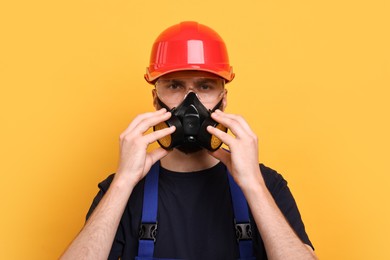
(95, 239)
(279, 239)
(242, 160)
(135, 162)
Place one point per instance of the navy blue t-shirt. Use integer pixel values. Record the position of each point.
(195, 216)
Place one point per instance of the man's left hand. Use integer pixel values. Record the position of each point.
(242, 160)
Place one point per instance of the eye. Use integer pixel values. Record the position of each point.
(174, 86)
(205, 87)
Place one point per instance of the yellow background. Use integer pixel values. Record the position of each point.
(312, 81)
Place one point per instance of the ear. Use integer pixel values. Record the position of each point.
(155, 103)
(224, 100)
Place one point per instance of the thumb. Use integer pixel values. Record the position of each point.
(154, 156)
(222, 155)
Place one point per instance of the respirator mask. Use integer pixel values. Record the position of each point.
(191, 119)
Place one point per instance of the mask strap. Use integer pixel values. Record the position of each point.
(162, 104)
(217, 106)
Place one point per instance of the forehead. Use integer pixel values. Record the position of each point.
(189, 74)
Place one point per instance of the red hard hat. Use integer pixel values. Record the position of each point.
(189, 46)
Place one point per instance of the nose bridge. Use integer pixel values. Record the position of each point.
(190, 90)
(190, 86)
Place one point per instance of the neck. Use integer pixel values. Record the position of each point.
(180, 162)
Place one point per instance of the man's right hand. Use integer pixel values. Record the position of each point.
(135, 161)
(95, 239)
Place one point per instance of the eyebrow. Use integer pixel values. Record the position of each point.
(196, 81)
(173, 81)
(206, 80)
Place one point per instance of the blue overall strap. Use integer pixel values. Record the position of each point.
(242, 221)
(148, 229)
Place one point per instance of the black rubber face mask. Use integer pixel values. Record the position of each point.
(191, 119)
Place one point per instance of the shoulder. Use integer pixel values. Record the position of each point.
(280, 191)
(103, 187)
(273, 180)
(105, 184)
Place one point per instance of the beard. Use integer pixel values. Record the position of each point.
(189, 148)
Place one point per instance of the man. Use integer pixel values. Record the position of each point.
(197, 216)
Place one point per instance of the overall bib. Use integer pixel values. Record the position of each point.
(148, 229)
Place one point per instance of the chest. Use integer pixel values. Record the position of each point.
(195, 219)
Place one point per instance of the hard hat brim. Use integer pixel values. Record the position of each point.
(151, 78)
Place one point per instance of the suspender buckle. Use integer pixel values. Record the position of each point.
(243, 231)
(148, 231)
